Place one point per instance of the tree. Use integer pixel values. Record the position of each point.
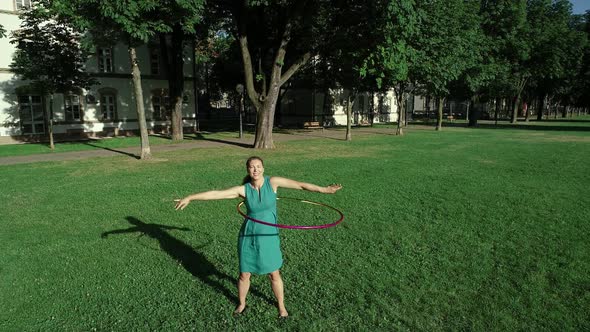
(507, 45)
(176, 19)
(447, 32)
(133, 22)
(575, 42)
(276, 39)
(477, 76)
(582, 83)
(390, 60)
(50, 55)
(557, 50)
(340, 64)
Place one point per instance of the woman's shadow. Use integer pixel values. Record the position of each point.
(193, 261)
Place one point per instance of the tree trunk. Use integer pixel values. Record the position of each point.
(473, 113)
(541, 108)
(427, 109)
(138, 92)
(265, 102)
(439, 115)
(400, 112)
(519, 88)
(50, 123)
(349, 105)
(176, 82)
(406, 108)
(514, 116)
(498, 103)
(372, 106)
(265, 121)
(195, 90)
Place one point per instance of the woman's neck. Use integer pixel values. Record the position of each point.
(257, 183)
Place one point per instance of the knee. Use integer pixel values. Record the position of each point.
(274, 276)
(245, 276)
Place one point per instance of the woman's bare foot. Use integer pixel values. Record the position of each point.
(283, 313)
(239, 309)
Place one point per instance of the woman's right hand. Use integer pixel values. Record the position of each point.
(181, 203)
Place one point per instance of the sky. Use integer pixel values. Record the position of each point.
(580, 6)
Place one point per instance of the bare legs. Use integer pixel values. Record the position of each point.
(277, 287)
(276, 283)
(243, 287)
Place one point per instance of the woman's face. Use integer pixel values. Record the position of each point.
(255, 169)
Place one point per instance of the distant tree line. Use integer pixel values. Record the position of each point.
(501, 51)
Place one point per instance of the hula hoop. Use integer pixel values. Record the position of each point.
(295, 226)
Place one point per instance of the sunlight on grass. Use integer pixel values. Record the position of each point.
(465, 229)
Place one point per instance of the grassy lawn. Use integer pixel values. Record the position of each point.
(9, 150)
(464, 229)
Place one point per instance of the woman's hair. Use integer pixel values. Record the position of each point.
(247, 178)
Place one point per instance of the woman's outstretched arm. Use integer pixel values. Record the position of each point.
(277, 182)
(233, 192)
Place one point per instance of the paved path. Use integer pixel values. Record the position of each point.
(156, 149)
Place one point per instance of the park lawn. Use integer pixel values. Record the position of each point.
(9, 150)
(464, 229)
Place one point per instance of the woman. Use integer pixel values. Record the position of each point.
(258, 245)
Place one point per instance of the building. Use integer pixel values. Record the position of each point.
(329, 108)
(104, 109)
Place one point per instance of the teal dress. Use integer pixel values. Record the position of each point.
(259, 247)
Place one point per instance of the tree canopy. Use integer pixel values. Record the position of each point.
(478, 49)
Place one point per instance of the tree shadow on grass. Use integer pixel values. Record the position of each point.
(113, 150)
(193, 261)
(200, 136)
(311, 133)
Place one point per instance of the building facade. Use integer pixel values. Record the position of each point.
(107, 108)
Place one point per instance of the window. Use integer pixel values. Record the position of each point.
(73, 107)
(155, 60)
(108, 106)
(32, 117)
(105, 60)
(160, 104)
(22, 4)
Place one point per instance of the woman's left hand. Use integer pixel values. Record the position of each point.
(333, 188)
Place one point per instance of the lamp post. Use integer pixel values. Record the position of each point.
(240, 91)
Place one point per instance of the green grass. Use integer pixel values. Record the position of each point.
(9, 150)
(464, 229)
